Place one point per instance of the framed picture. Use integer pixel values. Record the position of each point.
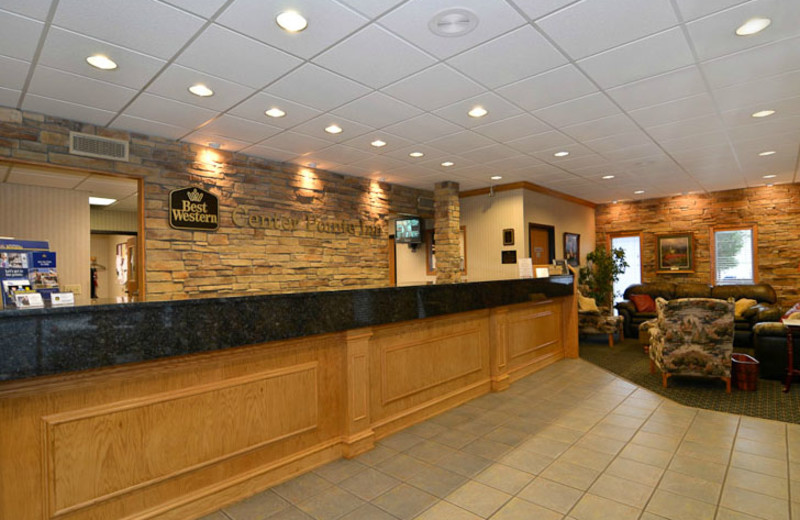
(508, 237)
(572, 249)
(675, 253)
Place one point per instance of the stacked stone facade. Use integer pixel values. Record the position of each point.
(283, 228)
(447, 214)
(773, 210)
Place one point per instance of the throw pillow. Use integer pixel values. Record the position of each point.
(795, 309)
(742, 305)
(643, 302)
(586, 304)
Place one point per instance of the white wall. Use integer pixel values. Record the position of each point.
(565, 216)
(411, 266)
(104, 248)
(59, 216)
(485, 218)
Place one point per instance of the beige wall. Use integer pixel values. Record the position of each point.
(411, 265)
(567, 217)
(59, 216)
(110, 220)
(104, 248)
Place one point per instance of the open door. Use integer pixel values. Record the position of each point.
(133, 265)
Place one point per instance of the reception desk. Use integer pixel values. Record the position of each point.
(174, 409)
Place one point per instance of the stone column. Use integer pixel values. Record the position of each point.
(447, 214)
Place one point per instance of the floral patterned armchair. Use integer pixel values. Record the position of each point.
(693, 337)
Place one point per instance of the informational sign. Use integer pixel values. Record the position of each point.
(525, 268)
(194, 209)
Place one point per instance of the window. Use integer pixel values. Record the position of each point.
(734, 255)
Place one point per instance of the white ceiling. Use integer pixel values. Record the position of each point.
(657, 93)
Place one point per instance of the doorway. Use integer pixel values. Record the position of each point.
(632, 245)
(541, 243)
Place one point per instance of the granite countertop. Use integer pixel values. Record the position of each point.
(37, 342)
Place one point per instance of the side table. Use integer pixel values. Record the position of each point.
(790, 370)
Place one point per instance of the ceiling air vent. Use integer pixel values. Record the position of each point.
(100, 147)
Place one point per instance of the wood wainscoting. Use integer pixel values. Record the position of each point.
(179, 438)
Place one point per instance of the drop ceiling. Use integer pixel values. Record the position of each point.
(657, 93)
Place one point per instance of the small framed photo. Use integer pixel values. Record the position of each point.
(572, 249)
(675, 253)
(508, 237)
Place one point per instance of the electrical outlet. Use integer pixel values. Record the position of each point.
(74, 289)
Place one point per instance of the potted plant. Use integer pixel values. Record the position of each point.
(602, 269)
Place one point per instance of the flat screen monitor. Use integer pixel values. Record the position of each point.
(408, 230)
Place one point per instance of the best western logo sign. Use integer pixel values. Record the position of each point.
(193, 208)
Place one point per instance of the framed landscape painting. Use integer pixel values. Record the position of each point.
(675, 253)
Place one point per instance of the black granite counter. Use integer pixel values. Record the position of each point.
(37, 342)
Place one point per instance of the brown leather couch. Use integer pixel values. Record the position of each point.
(767, 308)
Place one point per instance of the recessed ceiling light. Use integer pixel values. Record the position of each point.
(614, 201)
(214, 145)
(99, 61)
(416, 154)
(453, 22)
(606, 177)
(768, 152)
(201, 90)
(764, 113)
(101, 201)
(312, 165)
(753, 26)
(291, 21)
(275, 112)
(448, 163)
(638, 192)
(377, 143)
(477, 112)
(561, 154)
(334, 129)
(770, 176)
(496, 177)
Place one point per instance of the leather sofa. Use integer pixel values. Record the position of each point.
(769, 344)
(766, 308)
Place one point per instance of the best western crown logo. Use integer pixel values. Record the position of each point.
(194, 209)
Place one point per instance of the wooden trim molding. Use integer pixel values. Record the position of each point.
(530, 187)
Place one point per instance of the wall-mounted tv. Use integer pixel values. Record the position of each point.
(408, 230)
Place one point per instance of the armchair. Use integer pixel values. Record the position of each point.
(693, 337)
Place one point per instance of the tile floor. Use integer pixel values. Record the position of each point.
(571, 442)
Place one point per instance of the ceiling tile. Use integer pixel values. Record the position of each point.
(13, 73)
(225, 54)
(175, 81)
(537, 8)
(393, 143)
(592, 26)
(316, 87)
(714, 35)
(764, 90)
(225, 143)
(633, 152)
(254, 107)
(341, 154)
(148, 127)
(672, 111)
(434, 88)
(240, 129)
(760, 62)
(328, 22)
(56, 108)
(379, 163)
(204, 8)
(641, 59)
(513, 162)
(377, 110)
(599, 128)
(9, 97)
(19, 36)
(547, 89)
(511, 57)
(147, 26)
(697, 125)
(785, 126)
(411, 20)
(36, 9)
(423, 128)
(371, 8)
(743, 116)
(117, 187)
(171, 112)
(316, 128)
(67, 51)
(313, 160)
(493, 152)
(512, 128)
(266, 152)
(33, 176)
(498, 108)
(295, 142)
(374, 57)
(659, 89)
(692, 9)
(587, 108)
(575, 150)
(461, 142)
(681, 142)
(430, 153)
(534, 143)
(55, 84)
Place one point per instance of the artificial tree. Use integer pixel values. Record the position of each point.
(602, 269)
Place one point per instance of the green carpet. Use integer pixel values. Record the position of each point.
(626, 359)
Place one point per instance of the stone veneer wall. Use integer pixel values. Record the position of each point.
(774, 210)
(447, 211)
(339, 237)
